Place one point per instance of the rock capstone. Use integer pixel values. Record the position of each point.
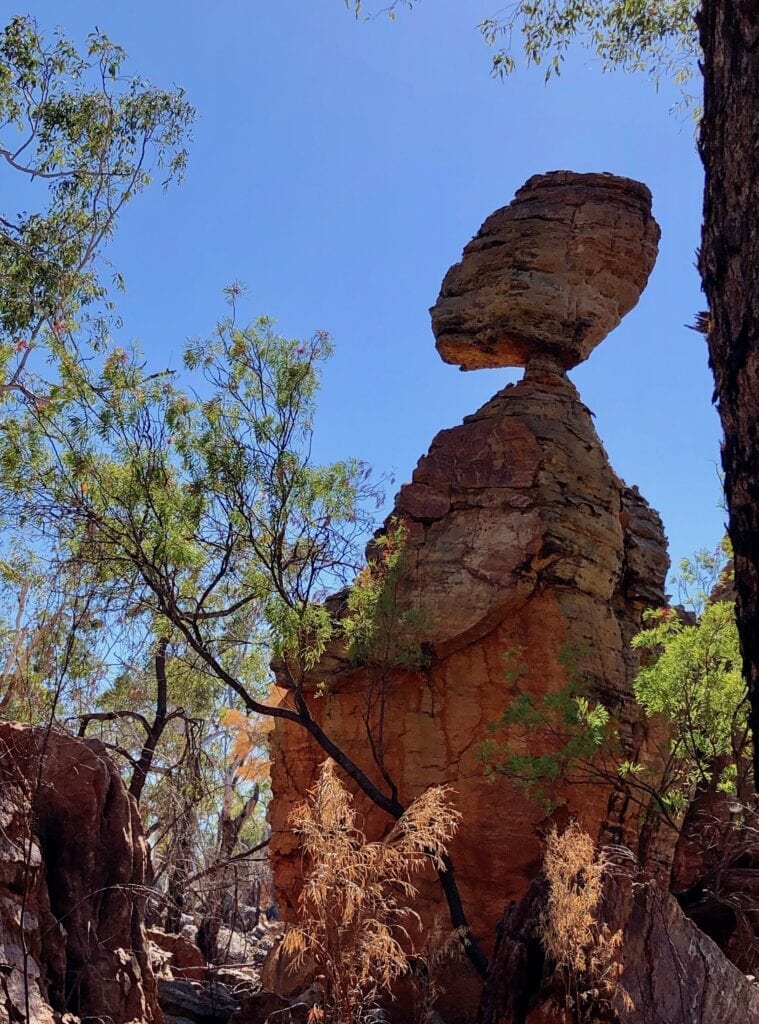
(551, 274)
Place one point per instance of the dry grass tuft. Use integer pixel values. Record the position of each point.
(355, 906)
(441, 947)
(582, 950)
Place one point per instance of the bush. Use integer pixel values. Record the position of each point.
(580, 948)
(355, 906)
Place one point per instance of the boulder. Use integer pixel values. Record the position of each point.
(551, 274)
(72, 873)
(195, 1002)
(184, 958)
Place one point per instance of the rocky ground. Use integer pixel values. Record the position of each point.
(190, 991)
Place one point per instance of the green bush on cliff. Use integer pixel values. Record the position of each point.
(695, 685)
(690, 689)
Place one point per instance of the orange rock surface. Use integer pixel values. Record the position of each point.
(520, 538)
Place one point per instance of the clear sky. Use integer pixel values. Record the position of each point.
(338, 168)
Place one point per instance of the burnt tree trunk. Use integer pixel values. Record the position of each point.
(729, 265)
(145, 762)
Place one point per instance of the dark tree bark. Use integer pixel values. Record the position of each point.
(145, 761)
(729, 265)
(143, 765)
(224, 882)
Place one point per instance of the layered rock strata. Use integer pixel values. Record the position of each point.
(72, 873)
(554, 271)
(521, 542)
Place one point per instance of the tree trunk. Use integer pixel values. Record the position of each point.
(224, 885)
(729, 265)
(145, 761)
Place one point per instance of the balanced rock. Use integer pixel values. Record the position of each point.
(551, 274)
(521, 543)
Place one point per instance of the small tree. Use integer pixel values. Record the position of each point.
(694, 684)
(355, 906)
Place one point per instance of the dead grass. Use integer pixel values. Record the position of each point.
(356, 911)
(441, 947)
(582, 950)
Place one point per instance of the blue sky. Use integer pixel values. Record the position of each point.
(338, 168)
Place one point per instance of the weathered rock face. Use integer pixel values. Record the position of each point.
(553, 272)
(520, 538)
(72, 864)
(671, 970)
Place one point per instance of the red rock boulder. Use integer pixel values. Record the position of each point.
(72, 874)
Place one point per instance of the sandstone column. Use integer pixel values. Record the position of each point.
(520, 538)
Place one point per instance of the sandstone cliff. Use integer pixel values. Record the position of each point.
(520, 537)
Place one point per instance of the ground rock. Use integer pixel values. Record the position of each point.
(185, 959)
(552, 273)
(672, 970)
(298, 1013)
(72, 867)
(257, 1007)
(201, 1003)
(284, 973)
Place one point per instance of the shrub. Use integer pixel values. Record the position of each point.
(580, 948)
(355, 906)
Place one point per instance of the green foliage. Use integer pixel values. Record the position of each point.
(690, 686)
(694, 684)
(86, 137)
(567, 726)
(188, 510)
(201, 519)
(380, 633)
(702, 575)
(635, 35)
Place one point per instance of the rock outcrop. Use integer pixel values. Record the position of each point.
(72, 870)
(671, 971)
(553, 272)
(519, 538)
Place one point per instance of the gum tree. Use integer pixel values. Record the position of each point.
(79, 138)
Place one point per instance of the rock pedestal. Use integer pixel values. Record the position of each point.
(520, 539)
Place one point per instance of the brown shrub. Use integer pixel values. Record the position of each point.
(355, 906)
(581, 949)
